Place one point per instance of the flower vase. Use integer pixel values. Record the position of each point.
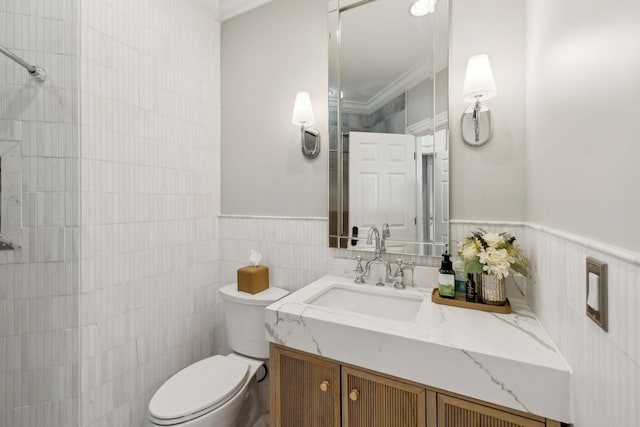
(477, 278)
(493, 290)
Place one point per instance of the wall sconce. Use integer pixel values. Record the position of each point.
(303, 117)
(422, 7)
(478, 86)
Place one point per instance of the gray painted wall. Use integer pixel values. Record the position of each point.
(269, 54)
(488, 182)
(263, 172)
(552, 179)
(582, 138)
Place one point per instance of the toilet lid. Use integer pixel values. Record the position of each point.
(270, 295)
(198, 389)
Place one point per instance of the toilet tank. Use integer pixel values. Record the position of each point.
(244, 319)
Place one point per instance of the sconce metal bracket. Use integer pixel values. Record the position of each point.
(476, 125)
(310, 142)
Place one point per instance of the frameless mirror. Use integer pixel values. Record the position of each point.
(388, 125)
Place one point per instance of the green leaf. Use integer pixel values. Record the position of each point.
(520, 269)
(473, 266)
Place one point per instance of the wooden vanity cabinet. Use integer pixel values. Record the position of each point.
(304, 390)
(452, 411)
(373, 400)
(312, 391)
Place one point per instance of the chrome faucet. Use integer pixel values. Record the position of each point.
(386, 233)
(373, 231)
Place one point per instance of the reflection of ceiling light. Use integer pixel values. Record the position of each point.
(422, 7)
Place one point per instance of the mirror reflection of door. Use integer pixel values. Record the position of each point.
(441, 186)
(433, 189)
(0, 194)
(382, 184)
(388, 74)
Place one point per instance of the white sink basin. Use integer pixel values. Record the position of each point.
(369, 301)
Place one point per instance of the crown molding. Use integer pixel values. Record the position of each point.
(441, 121)
(232, 8)
(429, 125)
(421, 71)
(355, 107)
(422, 127)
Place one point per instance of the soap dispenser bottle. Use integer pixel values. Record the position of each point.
(446, 278)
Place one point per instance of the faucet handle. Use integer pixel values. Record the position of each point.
(386, 232)
(359, 270)
(398, 276)
(401, 265)
(407, 263)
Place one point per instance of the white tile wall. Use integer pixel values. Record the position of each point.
(39, 282)
(150, 165)
(606, 366)
(295, 249)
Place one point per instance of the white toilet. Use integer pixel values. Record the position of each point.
(219, 391)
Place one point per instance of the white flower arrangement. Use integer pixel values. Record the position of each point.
(492, 253)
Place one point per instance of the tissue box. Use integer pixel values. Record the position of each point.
(253, 279)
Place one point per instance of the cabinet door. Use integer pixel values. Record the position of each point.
(454, 412)
(370, 400)
(305, 391)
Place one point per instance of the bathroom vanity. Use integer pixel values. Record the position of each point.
(315, 391)
(352, 355)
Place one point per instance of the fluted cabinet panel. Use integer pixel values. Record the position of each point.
(307, 391)
(454, 412)
(374, 401)
(313, 391)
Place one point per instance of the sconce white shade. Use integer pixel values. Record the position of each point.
(478, 81)
(422, 7)
(303, 117)
(302, 111)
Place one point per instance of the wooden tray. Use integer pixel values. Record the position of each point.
(461, 302)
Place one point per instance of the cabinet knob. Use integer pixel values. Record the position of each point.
(354, 394)
(324, 386)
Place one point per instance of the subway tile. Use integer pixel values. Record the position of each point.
(45, 272)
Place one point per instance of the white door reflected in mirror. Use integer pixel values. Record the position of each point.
(388, 74)
(382, 185)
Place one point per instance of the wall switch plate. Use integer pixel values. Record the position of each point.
(597, 290)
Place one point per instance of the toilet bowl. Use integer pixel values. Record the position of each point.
(222, 391)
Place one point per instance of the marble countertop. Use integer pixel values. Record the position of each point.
(505, 359)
